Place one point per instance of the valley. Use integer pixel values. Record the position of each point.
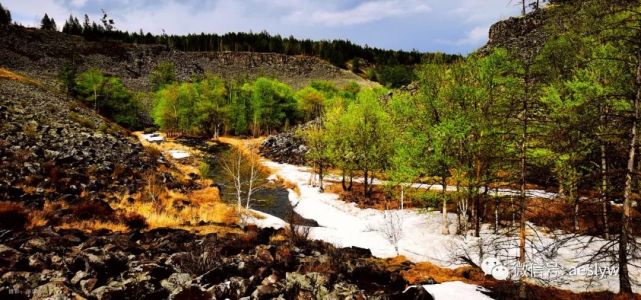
(253, 166)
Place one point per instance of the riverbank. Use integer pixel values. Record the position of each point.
(419, 236)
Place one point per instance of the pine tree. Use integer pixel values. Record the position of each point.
(48, 23)
(5, 16)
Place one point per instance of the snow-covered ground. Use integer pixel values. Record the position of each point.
(421, 239)
(532, 193)
(455, 290)
(153, 137)
(178, 154)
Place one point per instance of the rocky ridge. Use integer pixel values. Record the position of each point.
(42, 54)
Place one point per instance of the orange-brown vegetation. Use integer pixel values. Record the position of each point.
(6, 74)
(425, 272)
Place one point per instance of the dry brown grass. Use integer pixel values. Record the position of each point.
(250, 147)
(421, 272)
(200, 208)
(6, 74)
(94, 225)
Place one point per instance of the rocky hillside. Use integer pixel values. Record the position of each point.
(176, 264)
(43, 53)
(53, 148)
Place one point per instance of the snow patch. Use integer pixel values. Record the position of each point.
(178, 154)
(153, 137)
(456, 290)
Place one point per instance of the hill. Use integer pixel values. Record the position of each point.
(42, 54)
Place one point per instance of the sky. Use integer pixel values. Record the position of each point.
(451, 26)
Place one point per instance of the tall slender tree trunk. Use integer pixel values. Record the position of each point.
(496, 213)
(576, 212)
(366, 184)
(604, 193)
(523, 7)
(402, 196)
(320, 175)
(477, 202)
(95, 99)
(625, 286)
(446, 229)
(523, 146)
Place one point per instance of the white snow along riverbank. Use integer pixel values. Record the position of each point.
(420, 239)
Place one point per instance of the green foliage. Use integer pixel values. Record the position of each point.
(359, 136)
(204, 169)
(198, 108)
(164, 73)
(67, 77)
(109, 97)
(311, 103)
(393, 76)
(72, 26)
(89, 84)
(272, 105)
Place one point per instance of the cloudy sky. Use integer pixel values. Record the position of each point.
(452, 26)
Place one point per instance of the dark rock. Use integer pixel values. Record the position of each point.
(8, 257)
(417, 292)
(190, 293)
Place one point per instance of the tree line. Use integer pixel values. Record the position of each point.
(210, 106)
(337, 52)
(205, 106)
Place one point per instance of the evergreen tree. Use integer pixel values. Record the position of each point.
(5, 16)
(72, 26)
(48, 23)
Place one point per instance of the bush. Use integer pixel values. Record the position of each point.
(134, 221)
(93, 210)
(13, 216)
(82, 120)
(200, 260)
(204, 169)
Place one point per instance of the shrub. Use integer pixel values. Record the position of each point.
(82, 120)
(13, 216)
(30, 128)
(298, 234)
(135, 221)
(153, 153)
(200, 260)
(204, 169)
(93, 209)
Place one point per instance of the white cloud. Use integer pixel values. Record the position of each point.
(476, 36)
(365, 12)
(455, 26)
(78, 3)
